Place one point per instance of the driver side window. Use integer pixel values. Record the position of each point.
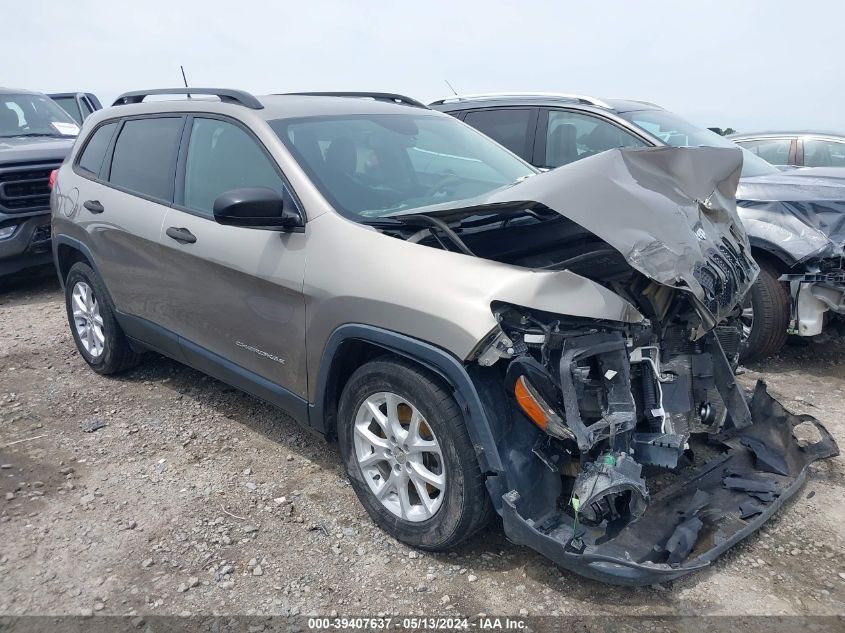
(222, 156)
(572, 136)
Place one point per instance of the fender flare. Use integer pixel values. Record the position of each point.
(437, 360)
(772, 250)
(64, 240)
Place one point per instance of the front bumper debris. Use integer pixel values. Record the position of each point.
(693, 520)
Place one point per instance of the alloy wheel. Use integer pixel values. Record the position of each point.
(87, 319)
(399, 456)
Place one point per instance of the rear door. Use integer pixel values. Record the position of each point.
(235, 295)
(123, 205)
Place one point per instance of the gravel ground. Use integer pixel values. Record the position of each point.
(196, 498)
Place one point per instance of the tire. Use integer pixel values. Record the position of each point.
(770, 304)
(115, 355)
(465, 505)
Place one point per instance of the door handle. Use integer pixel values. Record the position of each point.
(93, 206)
(181, 235)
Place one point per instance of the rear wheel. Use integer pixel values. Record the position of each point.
(93, 325)
(409, 457)
(765, 316)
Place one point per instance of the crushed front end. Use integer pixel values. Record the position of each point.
(800, 222)
(818, 296)
(647, 460)
(623, 447)
(631, 453)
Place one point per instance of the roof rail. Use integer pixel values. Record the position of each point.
(225, 95)
(494, 95)
(376, 96)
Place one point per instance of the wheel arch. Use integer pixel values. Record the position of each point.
(763, 251)
(68, 251)
(351, 345)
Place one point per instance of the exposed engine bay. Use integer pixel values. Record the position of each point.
(630, 451)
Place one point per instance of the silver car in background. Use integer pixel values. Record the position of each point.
(478, 336)
(795, 149)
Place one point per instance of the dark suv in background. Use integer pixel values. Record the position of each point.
(35, 136)
(79, 105)
(796, 225)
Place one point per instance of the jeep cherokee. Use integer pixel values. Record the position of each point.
(478, 336)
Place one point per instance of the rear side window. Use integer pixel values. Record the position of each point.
(506, 126)
(70, 106)
(144, 159)
(95, 151)
(221, 157)
(821, 153)
(771, 150)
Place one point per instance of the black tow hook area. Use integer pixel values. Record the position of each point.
(703, 513)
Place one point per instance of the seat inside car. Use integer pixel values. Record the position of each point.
(342, 155)
(563, 146)
(9, 123)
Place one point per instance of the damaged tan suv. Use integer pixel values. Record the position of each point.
(479, 337)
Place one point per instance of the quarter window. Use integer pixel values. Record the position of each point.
(144, 159)
(221, 157)
(821, 153)
(572, 136)
(95, 151)
(506, 126)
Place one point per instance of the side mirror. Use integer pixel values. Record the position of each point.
(257, 207)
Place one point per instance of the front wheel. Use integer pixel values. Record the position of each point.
(409, 457)
(765, 316)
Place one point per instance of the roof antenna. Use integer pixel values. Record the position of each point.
(185, 79)
(450, 87)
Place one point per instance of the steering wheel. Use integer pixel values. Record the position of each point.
(441, 184)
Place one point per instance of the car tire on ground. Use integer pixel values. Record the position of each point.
(392, 407)
(95, 330)
(770, 306)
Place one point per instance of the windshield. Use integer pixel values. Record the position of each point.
(675, 131)
(370, 166)
(34, 115)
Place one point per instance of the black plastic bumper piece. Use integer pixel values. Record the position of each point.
(661, 545)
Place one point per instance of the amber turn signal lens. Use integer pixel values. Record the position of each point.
(528, 401)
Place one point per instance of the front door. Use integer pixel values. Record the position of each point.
(233, 294)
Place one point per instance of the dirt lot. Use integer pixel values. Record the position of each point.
(196, 498)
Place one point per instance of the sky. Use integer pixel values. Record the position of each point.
(750, 65)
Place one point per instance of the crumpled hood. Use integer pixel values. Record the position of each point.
(800, 213)
(670, 211)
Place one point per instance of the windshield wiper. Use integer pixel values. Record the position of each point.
(382, 223)
(437, 227)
